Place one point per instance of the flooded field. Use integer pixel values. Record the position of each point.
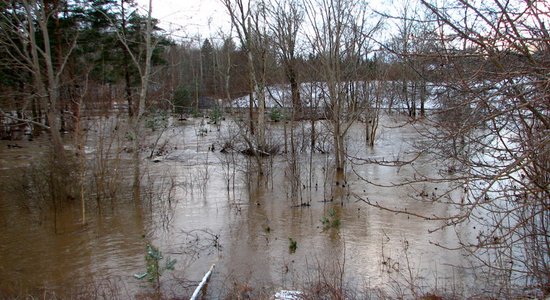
(202, 207)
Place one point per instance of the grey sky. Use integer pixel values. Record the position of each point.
(195, 20)
(189, 18)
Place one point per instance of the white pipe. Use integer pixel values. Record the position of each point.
(203, 282)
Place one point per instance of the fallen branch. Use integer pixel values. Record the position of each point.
(7, 115)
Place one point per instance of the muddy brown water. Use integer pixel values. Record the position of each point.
(190, 214)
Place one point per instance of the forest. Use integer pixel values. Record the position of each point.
(316, 149)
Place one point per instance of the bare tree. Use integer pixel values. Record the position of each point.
(409, 46)
(27, 22)
(287, 18)
(249, 22)
(340, 30)
(491, 133)
(374, 91)
(27, 42)
(143, 65)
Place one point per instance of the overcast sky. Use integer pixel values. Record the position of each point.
(195, 20)
(188, 18)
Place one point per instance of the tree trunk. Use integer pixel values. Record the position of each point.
(251, 112)
(423, 92)
(295, 91)
(126, 63)
(339, 149)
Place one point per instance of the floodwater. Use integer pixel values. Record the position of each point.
(204, 207)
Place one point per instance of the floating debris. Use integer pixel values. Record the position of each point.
(288, 295)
